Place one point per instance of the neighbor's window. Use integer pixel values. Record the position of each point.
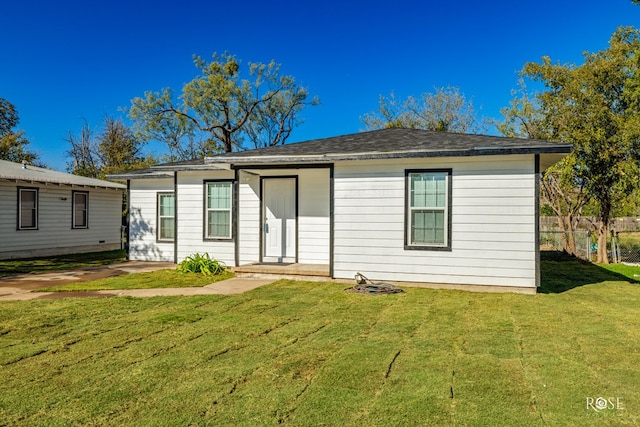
(166, 217)
(27, 208)
(218, 210)
(80, 210)
(428, 210)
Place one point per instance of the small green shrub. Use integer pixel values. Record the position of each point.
(201, 263)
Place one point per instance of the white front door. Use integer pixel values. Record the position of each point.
(279, 228)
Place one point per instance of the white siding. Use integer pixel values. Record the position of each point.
(249, 218)
(191, 217)
(493, 222)
(143, 245)
(55, 234)
(313, 214)
(313, 217)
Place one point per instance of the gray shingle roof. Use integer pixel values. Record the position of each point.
(140, 174)
(379, 144)
(393, 143)
(29, 173)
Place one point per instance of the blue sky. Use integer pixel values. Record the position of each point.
(67, 61)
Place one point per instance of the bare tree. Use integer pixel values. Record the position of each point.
(84, 160)
(446, 110)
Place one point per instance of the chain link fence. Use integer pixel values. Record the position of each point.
(551, 240)
(622, 246)
(625, 247)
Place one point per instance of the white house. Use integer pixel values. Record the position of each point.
(44, 212)
(398, 205)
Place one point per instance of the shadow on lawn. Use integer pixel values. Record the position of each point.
(12, 267)
(560, 272)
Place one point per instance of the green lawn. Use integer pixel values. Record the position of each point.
(62, 262)
(168, 278)
(308, 354)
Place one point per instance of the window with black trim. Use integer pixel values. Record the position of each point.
(27, 208)
(428, 209)
(80, 214)
(218, 206)
(166, 217)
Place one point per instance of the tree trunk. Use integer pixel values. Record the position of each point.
(603, 229)
(567, 224)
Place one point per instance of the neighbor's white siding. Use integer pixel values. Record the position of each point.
(143, 244)
(191, 217)
(493, 222)
(55, 235)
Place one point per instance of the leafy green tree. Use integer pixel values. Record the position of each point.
(119, 150)
(219, 111)
(115, 149)
(13, 144)
(445, 110)
(8, 117)
(523, 117)
(153, 121)
(559, 190)
(595, 106)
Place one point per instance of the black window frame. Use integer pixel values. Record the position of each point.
(205, 210)
(408, 245)
(159, 238)
(19, 225)
(73, 209)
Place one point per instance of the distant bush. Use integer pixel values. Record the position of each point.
(201, 263)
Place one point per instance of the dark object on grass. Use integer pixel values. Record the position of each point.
(366, 286)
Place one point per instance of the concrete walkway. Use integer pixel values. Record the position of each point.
(25, 286)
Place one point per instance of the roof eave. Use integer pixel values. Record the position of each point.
(126, 176)
(31, 180)
(173, 168)
(331, 157)
(161, 171)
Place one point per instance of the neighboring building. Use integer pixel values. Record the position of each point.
(395, 204)
(44, 212)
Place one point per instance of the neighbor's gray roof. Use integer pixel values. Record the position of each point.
(164, 170)
(392, 143)
(16, 172)
(140, 174)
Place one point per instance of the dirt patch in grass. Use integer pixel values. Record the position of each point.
(39, 281)
(31, 282)
(166, 278)
(62, 262)
(60, 295)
